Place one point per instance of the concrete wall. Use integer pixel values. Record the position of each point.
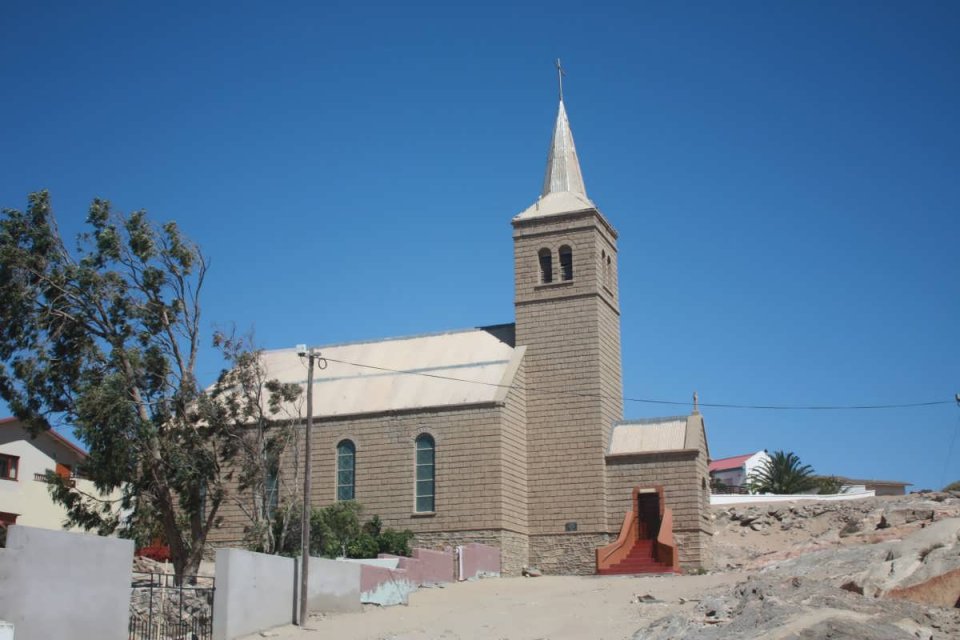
(383, 586)
(333, 586)
(478, 561)
(427, 568)
(255, 591)
(55, 584)
(761, 498)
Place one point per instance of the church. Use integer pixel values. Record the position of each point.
(513, 435)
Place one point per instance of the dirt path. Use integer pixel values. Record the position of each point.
(555, 607)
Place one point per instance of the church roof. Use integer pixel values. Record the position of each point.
(563, 188)
(472, 366)
(656, 435)
(563, 167)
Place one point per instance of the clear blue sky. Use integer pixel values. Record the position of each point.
(785, 178)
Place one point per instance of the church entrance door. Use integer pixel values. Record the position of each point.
(648, 511)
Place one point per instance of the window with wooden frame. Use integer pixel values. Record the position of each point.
(9, 467)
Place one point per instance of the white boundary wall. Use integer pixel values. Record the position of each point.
(55, 584)
(255, 591)
(723, 499)
(333, 586)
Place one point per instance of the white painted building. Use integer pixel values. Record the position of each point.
(24, 461)
(734, 471)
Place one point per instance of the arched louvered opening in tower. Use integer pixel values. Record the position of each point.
(566, 263)
(546, 266)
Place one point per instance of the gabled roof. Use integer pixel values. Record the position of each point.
(49, 433)
(468, 367)
(657, 435)
(733, 462)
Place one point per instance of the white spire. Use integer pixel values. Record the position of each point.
(563, 167)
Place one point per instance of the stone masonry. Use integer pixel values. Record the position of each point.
(527, 468)
(571, 329)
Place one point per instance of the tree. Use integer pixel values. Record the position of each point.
(106, 339)
(953, 486)
(261, 416)
(782, 473)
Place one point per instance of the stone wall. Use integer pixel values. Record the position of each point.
(568, 553)
(680, 475)
(571, 330)
(480, 469)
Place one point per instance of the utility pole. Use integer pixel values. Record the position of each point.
(313, 357)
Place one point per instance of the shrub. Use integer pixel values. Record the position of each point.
(335, 530)
(827, 485)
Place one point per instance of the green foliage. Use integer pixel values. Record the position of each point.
(259, 414)
(335, 531)
(953, 486)
(105, 339)
(828, 485)
(395, 542)
(782, 473)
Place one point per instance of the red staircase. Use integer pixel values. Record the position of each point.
(639, 560)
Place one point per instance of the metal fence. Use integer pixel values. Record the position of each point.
(162, 610)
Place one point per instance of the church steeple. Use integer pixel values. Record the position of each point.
(563, 166)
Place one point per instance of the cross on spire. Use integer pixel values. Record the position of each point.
(560, 74)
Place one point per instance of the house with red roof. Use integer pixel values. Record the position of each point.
(734, 471)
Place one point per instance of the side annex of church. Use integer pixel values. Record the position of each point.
(513, 435)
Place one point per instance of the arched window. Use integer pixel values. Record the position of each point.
(546, 266)
(426, 449)
(346, 470)
(566, 263)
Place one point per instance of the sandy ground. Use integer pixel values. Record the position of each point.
(555, 607)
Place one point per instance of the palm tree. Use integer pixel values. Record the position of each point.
(782, 473)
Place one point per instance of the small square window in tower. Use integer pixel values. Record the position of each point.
(566, 263)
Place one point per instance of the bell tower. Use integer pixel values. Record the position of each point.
(568, 318)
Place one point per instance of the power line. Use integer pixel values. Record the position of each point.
(715, 405)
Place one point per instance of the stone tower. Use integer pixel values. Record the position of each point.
(568, 318)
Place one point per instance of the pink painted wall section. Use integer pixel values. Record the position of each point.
(385, 587)
(426, 567)
(478, 561)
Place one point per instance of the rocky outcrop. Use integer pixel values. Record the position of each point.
(876, 569)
